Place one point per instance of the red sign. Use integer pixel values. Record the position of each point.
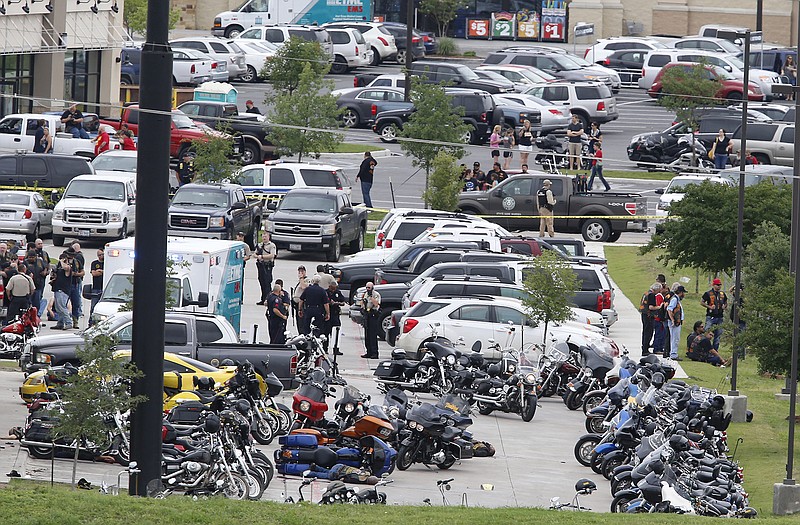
(478, 28)
(552, 31)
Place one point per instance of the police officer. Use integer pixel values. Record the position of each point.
(277, 314)
(546, 201)
(370, 310)
(314, 307)
(185, 169)
(265, 255)
(337, 300)
(297, 291)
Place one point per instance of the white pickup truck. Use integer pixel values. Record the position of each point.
(100, 206)
(17, 132)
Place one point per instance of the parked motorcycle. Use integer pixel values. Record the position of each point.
(16, 333)
(506, 387)
(433, 438)
(434, 373)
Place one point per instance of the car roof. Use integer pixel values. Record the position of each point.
(118, 153)
(19, 192)
(282, 164)
(116, 176)
(318, 190)
(450, 299)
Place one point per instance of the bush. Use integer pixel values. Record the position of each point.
(444, 185)
(447, 47)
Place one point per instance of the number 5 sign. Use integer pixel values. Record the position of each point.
(478, 28)
(553, 31)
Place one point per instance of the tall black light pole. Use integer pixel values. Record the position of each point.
(409, 46)
(149, 265)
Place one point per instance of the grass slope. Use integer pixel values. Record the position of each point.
(763, 451)
(26, 503)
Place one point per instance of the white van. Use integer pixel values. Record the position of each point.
(676, 189)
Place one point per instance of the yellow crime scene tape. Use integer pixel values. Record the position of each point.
(613, 217)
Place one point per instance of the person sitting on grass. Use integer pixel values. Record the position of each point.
(702, 348)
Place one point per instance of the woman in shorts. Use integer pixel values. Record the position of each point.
(525, 141)
(508, 147)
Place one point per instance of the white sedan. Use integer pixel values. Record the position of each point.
(256, 54)
(554, 117)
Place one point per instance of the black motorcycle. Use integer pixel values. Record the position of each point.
(504, 387)
(434, 373)
(431, 438)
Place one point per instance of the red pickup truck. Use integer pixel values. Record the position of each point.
(184, 130)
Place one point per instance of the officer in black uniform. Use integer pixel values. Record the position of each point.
(337, 300)
(185, 169)
(314, 307)
(277, 314)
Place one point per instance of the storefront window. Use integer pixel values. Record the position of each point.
(16, 77)
(82, 78)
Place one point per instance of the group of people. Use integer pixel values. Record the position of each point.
(73, 121)
(313, 303)
(662, 314)
(476, 180)
(25, 282)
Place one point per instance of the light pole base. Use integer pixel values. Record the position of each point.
(736, 405)
(786, 397)
(785, 499)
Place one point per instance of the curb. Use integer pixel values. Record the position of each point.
(382, 153)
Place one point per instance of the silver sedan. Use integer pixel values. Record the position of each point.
(554, 118)
(25, 212)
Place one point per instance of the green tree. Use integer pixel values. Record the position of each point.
(768, 301)
(550, 284)
(212, 161)
(687, 92)
(287, 66)
(443, 11)
(100, 388)
(434, 122)
(300, 116)
(445, 183)
(134, 17)
(702, 233)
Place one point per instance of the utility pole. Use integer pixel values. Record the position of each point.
(149, 265)
(409, 46)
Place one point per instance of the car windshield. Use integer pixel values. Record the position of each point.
(114, 163)
(680, 185)
(182, 121)
(14, 198)
(120, 289)
(95, 189)
(535, 77)
(309, 203)
(565, 62)
(235, 47)
(108, 326)
(198, 196)
(467, 73)
(736, 62)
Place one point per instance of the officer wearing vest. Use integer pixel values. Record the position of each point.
(314, 307)
(546, 202)
(277, 314)
(371, 309)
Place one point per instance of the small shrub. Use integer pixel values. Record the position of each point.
(470, 54)
(447, 47)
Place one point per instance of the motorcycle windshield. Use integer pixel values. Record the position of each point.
(312, 391)
(377, 411)
(396, 397)
(440, 348)
(455, 404)
(595, 358)
(426, 414)
(351, 395)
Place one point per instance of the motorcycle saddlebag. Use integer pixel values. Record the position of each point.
(40, 430)
(349, 456)
(187, 413)
(389, 369)
(465, 448)
(298, 441)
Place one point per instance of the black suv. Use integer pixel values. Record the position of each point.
(457, 75)
(41, 170)
(480, 113)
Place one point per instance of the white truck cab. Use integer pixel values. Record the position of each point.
(17, 132)
(99, 206)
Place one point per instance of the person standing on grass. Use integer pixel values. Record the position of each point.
(366, 172)
(575, 132)
(715, 301)
(648, 310)
(525, 141)
(675, 313)
(597, 167)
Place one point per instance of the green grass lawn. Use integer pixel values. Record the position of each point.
(348, 147)
(763, 451)
(29, 503)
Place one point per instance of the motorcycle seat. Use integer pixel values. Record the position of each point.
(409, 363)
(201, 456)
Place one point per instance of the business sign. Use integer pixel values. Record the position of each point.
(503, 25)
(478, 27)
(554, 21)
(528, 26)
(584, 30)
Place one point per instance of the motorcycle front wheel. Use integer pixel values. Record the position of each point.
(123, 453)
(447, 463)
(529, 407)
(584, 448)
(594, 425)
(236, 486)
(406, 456)
(592, 399)
(620, 503)
(255, 485)
(484, 409)
(574, 400)
(262, 430)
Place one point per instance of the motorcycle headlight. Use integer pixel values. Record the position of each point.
(394, 412)
(512, 369)
(216, 222)
(412, 425)
(530, 379)
(305, 406)
(451, 360)
(349, 407)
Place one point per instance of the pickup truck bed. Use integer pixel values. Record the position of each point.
(280, 359)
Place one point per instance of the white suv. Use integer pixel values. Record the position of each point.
(279, 35)
(591, 101)
(488, 318)
(378, 37)
(350, 50)
(404, 229)
(273, 179)
(605, 47)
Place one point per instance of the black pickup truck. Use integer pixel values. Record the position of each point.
(207, 338)
(225, 116)
(512, 202)
(214, 211)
